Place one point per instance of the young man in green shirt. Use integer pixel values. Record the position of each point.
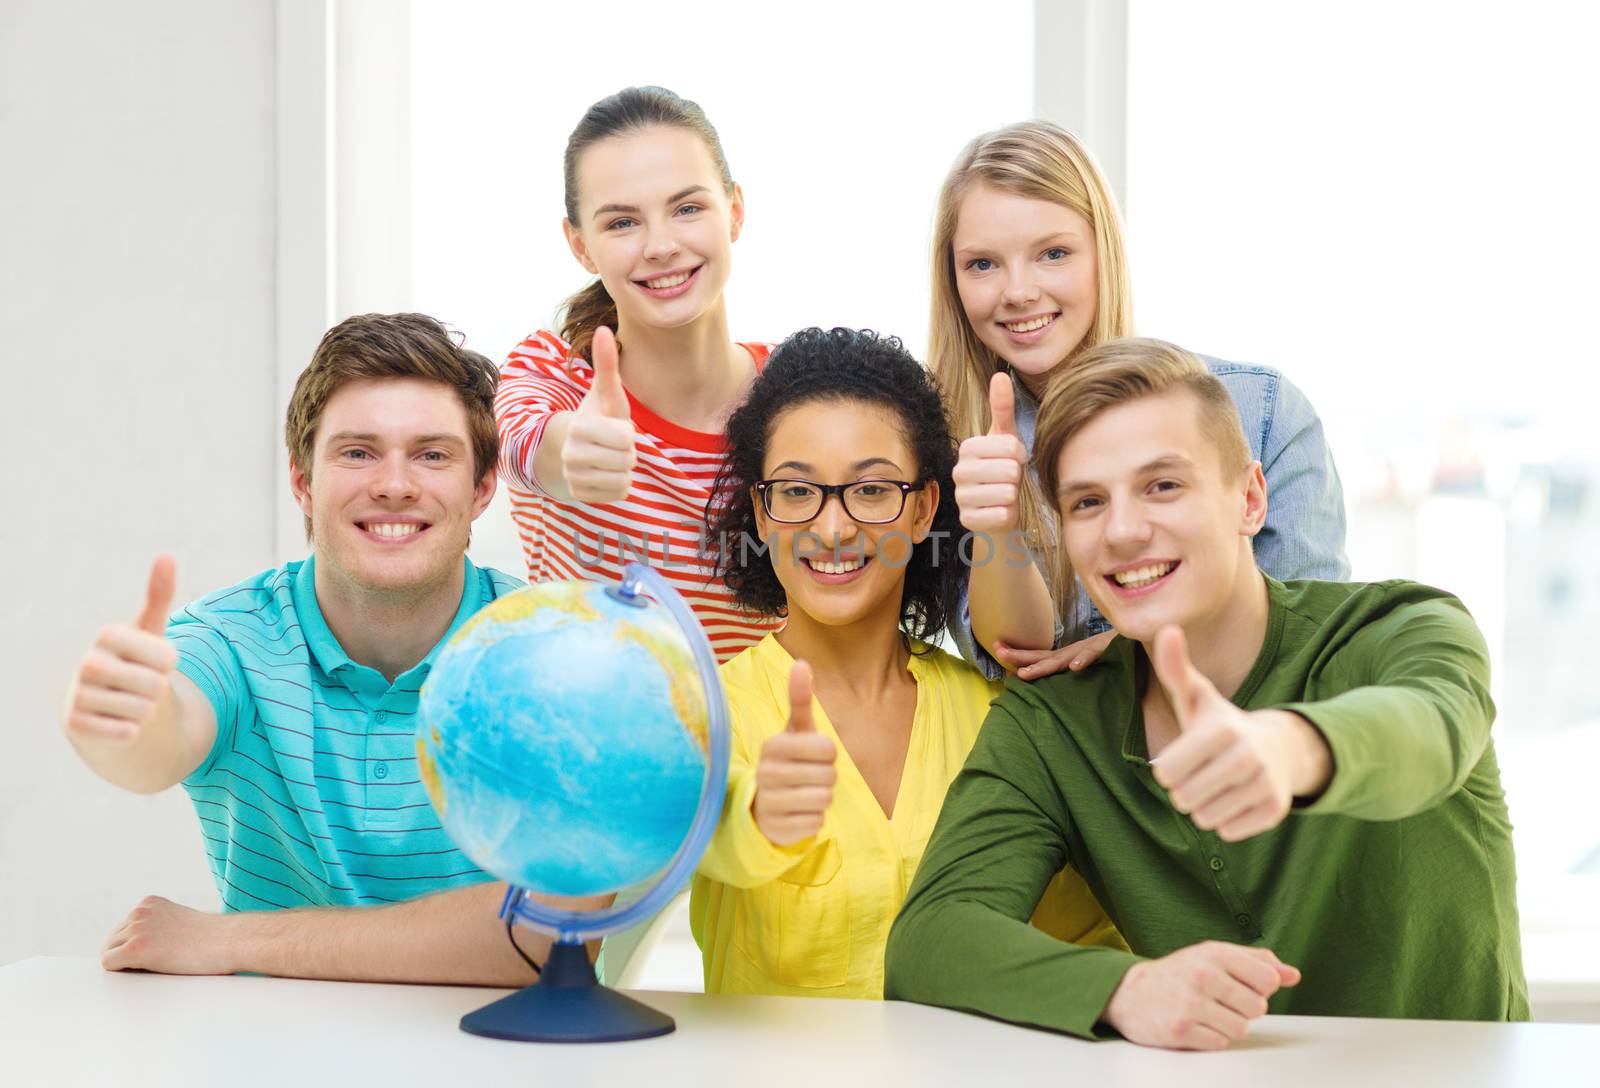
(1254, 770)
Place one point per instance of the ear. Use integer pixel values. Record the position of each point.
(483, 494)
(576, 244)
(736, 213)
(927, 504)
(763, 526)
(1254, 514)
(300, 486)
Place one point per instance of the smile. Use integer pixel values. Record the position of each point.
(838, 571)
(670, 285)
(392, 530)
(1135, 581)
(1031, 324)
(843, 566)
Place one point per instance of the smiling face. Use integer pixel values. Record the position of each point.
(1155, 527)
(834, 570)
(656, 224)
(1025, 271)
(391, 492)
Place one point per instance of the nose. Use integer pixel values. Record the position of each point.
(660, 244)
(396, 479)
(1126, 525)
(1020, 289)
(832, 525)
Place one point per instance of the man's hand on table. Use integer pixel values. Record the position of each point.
(1198, 998)
(159, 935)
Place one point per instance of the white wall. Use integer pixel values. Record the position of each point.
(136, 337)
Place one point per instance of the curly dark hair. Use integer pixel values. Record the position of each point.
(839, 365)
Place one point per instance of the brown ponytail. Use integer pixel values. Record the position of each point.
(629, 110)
(583, 313)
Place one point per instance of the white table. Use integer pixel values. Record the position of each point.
(67, 1022)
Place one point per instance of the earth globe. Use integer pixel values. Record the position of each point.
(573, 737)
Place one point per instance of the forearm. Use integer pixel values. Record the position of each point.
(1008, 599)
(1395, 752)
(547, 469)
(962, 939)
(455, 936)
(1416, 719)
(961, 954)
(1307, 759)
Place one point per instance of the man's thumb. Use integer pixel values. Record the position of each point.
(1185, 686)
(800, 699)
(158, 597)
(1002, 405)
(608, 375)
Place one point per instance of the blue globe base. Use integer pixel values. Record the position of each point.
(567, 1005)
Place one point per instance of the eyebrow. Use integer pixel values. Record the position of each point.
(1069, 235)
(1165, 461)
(801, 466)
(606, 209)
(441, 439)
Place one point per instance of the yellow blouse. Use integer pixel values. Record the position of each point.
(813, 918)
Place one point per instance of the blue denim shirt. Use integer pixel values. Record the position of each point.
(1304, 533)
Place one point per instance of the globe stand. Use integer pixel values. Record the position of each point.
(567, 1005)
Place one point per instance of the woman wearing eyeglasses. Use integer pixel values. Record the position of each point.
(833, 511)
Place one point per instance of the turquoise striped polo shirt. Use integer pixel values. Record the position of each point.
(310, 795)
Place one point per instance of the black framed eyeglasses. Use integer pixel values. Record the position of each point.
(870, 502)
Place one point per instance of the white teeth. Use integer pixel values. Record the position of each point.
(1030, 325)
(393, 528)
(1143, 575)
(835, 568)
(668, 281)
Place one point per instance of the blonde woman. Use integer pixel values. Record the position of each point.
(1029, 271)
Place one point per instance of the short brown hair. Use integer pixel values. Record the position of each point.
(393, 346)
(1113, 373)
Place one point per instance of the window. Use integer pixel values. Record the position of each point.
(1394, 205)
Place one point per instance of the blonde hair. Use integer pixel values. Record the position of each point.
(1041, 161)
(1116, 373)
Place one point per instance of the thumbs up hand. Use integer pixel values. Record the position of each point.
(1230, 770)
(988, 475)
(126, 677)
(795, 777)
(598, 456)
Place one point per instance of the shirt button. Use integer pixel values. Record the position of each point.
(1216, 866)
(1243, 920)
(382, 771)
(381, 716)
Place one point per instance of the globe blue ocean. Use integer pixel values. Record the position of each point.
(562, 736)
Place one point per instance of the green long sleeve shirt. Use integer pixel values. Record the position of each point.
(1394, 892)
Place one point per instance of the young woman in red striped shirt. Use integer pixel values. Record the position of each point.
(613, 431)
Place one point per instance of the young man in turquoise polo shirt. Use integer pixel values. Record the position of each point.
(284, 705)
(1253, 770)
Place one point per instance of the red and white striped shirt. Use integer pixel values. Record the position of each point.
(660, 521)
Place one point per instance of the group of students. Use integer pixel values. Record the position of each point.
(1212, 753)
